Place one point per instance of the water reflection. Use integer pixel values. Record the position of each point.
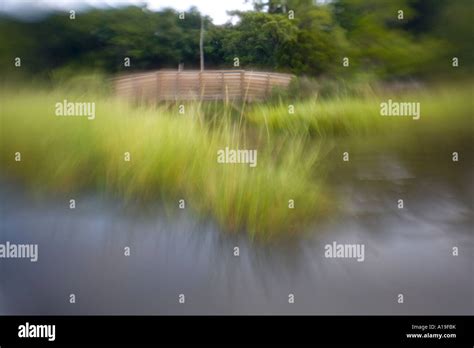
(407, 251)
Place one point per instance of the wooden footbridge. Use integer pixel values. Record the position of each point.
(165, 85)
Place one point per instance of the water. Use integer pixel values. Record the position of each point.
(407, 251)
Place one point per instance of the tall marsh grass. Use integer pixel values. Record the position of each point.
(444, 110)
(174, 156)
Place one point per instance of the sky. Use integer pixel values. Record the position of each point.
(216, 9)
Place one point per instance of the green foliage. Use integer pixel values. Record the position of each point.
(101, 39)
(379, 41)
(313, 43)
(260, 40)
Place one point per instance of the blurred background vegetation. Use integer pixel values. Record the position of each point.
(379, 45)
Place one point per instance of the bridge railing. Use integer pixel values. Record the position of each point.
(199, 85)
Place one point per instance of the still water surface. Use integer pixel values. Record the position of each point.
(407, 251)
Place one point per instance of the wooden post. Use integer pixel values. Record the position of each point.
(223, 86)
(242, 86)
(268, 86)
(201, 43)
(158, 85)
(136, 90)
(200, 89)
(176, 86)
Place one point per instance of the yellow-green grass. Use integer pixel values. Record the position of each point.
(172, 157)
(445, 109)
